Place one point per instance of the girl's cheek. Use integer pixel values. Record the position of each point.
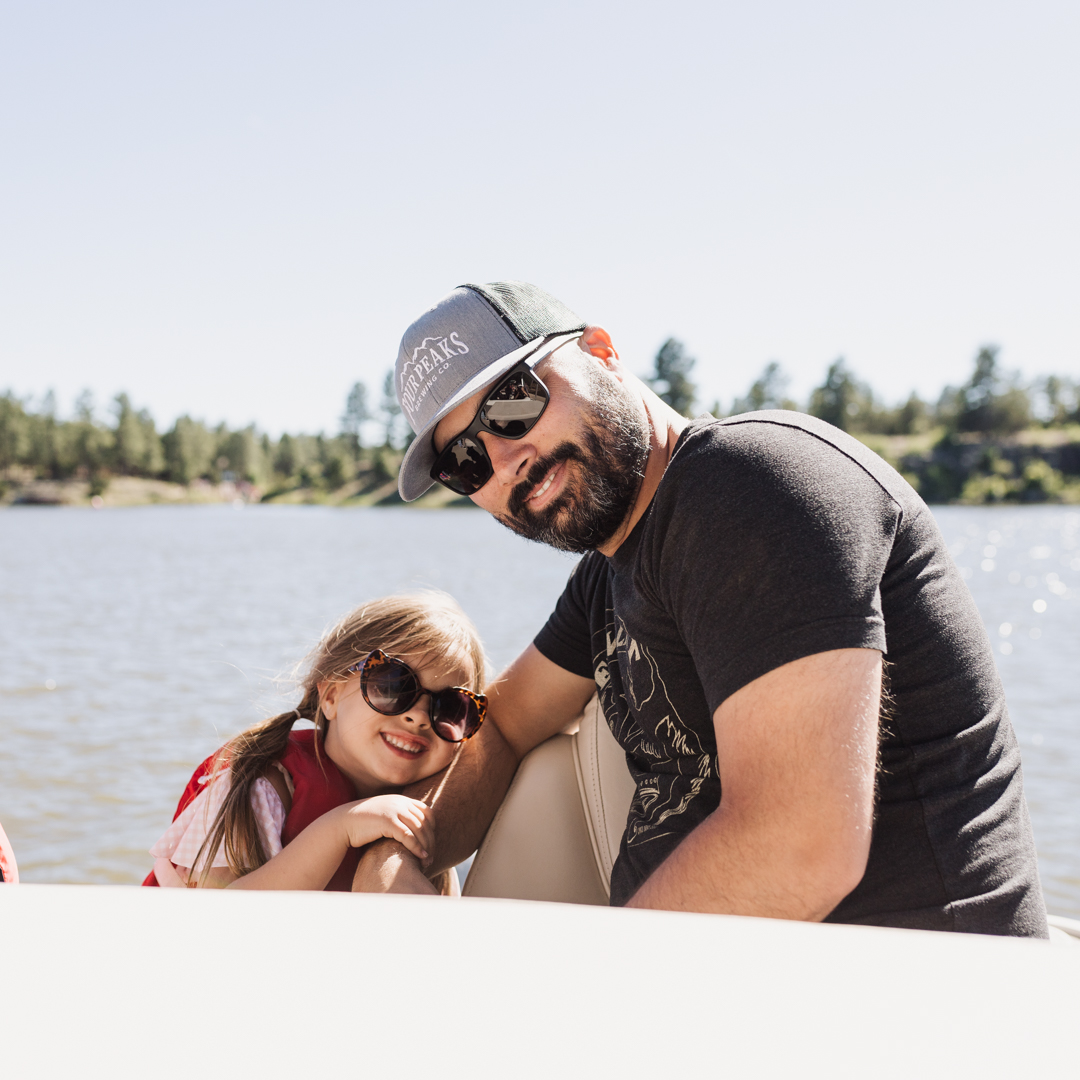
(446, 754)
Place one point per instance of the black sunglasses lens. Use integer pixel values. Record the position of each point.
(463, 466)
(454, 715)
(514, 406)
(510, 410)
(389, 686)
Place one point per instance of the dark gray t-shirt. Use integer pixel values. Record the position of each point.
(774, 536)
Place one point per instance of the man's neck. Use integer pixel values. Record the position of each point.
(665, 427)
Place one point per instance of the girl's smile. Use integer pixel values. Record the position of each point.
(408, 746)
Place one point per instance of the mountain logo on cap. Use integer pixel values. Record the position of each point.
(429, 360)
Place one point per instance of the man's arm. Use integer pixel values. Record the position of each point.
(797, 750)
(531, 701)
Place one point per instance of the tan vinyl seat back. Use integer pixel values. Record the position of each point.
(557, 833)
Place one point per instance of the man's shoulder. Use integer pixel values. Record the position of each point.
(590, 573)
(777, 442)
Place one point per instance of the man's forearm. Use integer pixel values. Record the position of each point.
(466, 798)
(531, 701)
(731, 867)
(387, 867)
(797, 751)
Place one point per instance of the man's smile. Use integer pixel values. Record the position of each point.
(548, 488)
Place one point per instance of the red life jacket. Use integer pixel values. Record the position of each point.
(9, 870)
(319, 786)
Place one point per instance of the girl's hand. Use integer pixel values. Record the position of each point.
(398, 817)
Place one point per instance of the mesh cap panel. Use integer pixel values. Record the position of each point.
(528, 311)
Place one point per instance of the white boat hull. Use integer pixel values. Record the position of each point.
(117, 982)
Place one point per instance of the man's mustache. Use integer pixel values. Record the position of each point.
(518, 501)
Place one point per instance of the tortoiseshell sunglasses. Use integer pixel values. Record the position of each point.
(391, 687)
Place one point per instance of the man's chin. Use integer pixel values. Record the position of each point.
(533, 526)
(558, 526)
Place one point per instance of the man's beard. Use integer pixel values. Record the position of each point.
(599, 493)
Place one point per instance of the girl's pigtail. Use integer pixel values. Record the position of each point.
(247, 757)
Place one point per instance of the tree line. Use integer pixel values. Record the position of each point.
(35, 442)
(992, 401)
(38, 443)
(991, 439)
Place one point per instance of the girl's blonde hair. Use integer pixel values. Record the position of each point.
(427, 624)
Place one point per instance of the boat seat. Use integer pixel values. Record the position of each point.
(558, 831)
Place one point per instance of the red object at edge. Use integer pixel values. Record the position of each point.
(9, 868)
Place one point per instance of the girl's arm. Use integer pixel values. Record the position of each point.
(310, 860)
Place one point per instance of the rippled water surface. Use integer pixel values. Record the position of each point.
(133, 642)
(1023, 566)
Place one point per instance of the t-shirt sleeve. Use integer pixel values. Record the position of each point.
(565, 639)
(769, 546)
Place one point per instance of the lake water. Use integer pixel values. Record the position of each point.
(134, 642)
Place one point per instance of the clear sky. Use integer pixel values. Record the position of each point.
(233, 209)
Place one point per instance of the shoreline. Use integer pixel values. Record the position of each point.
(1034, 466)
(129, 491)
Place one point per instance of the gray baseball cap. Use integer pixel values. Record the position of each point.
(467, 340)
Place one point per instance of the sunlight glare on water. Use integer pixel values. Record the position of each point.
(1029, 599)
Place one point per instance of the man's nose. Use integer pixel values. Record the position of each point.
(510, 458)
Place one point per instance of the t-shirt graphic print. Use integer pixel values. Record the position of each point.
(634, 699)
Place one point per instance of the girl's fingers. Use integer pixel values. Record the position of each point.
(424, 833)
(417, 822)
(404, 835)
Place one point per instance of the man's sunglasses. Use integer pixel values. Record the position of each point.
(509, 409)
(391, 687)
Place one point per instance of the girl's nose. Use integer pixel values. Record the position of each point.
(420, 713)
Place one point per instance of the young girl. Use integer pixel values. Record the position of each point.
(392, 690)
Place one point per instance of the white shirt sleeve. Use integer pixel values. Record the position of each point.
(182, 840)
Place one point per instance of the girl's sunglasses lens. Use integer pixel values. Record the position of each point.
(454, 715)
(463, 466)
(389, 687)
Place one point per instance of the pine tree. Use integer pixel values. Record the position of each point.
(990, 401)
(768, 392)
(355, 416)
(842, 401)
(671, 379)
(390, 409)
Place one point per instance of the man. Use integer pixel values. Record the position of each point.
(742, 581)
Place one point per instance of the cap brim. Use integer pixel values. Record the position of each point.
(414, 476)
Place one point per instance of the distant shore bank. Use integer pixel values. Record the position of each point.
(125, 491)
(1036, 465)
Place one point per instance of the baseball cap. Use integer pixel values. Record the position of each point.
(468, 339)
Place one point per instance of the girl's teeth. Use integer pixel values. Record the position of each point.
(407, 747)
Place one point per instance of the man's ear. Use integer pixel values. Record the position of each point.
(597, 340)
